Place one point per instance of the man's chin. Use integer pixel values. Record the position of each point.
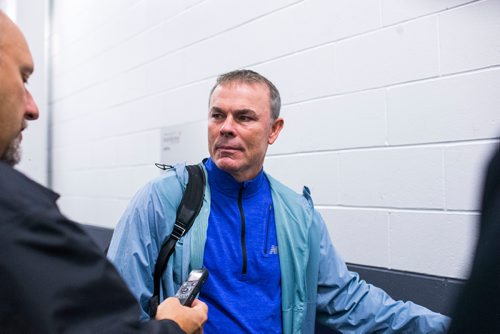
(12, 155)
(227, 164)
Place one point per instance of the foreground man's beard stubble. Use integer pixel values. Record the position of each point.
(12, 154)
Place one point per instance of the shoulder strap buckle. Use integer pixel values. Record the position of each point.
(178, 231)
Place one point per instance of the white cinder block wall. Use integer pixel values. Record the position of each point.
(391, 109)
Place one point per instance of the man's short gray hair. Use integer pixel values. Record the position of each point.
(249, 77)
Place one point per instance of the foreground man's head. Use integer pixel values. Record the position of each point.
(16, 103)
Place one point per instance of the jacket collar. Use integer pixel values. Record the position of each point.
(226, 184)
(15, 184)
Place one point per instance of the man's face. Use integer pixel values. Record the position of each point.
(240, 128)
(16, 103)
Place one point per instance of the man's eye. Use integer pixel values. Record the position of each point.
(245, 118)
(217, 116)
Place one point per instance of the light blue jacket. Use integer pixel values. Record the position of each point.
(315, 282)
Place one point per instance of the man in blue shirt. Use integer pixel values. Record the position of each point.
(273, 268)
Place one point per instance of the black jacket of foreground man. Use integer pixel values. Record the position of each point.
(478, 308)
(53, 278)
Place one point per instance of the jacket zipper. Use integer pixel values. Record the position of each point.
(243, 239)
(266, 241)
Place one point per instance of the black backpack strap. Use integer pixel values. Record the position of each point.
(188, 209)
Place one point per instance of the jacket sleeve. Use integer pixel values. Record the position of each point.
(350, 305)
(134, 247)
(55, 279)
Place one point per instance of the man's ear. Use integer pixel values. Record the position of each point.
(276, 127)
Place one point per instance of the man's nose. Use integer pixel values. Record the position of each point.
(227, 127)
(32, 111)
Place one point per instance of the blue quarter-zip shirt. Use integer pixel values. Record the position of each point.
(241, 254)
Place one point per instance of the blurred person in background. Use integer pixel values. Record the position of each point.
(478, 307)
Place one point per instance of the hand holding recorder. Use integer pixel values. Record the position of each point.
(190, 319)
(188, 312)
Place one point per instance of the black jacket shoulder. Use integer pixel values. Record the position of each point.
(53, 278)
(21, 194)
